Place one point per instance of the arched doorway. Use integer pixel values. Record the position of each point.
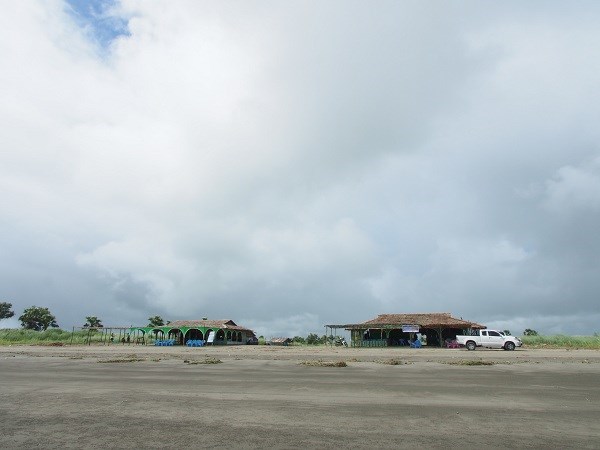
(194, 335)
(207, 335)
(175, 333)
(158, 334)
(220, 336)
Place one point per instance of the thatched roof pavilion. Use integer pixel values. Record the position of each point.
(395, 329)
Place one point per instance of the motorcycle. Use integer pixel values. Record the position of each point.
(340, 341)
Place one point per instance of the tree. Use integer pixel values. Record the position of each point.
(93, 322)
(155, 321)
(530, 332)
(5, 310)
(312, 339)
(298, 340)
(37, 318)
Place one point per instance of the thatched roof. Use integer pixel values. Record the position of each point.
(223, 324)
(424, 320)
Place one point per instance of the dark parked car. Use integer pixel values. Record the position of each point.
(252, 341)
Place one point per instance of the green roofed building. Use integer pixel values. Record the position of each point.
(217, 332)
(387, 330)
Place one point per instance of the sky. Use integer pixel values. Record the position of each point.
(293, 164)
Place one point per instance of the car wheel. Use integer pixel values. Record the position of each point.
(509, 346)
(470, 345)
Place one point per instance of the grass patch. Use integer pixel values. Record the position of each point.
(121, 360)
(207, 360)
(19, 336)
(391, 362)
(562, 341)
(321, 363)
(53, 336)
(471, 362)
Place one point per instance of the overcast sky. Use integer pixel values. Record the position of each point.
(292, 164)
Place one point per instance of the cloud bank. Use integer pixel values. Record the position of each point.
(293, 164)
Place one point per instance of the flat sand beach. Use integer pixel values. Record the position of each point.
(270, 397)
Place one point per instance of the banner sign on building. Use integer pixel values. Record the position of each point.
(410, 328)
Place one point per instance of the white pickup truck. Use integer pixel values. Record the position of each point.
(489, 339)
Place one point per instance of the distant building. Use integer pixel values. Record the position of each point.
(387, 330)
(280, 341)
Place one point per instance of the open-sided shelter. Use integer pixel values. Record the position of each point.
(224, 332)
(396, 329)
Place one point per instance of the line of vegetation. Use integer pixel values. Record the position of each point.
(48, 337)
(312, 339)
(562, 341)
(57, 335)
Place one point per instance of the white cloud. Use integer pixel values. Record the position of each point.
(298, 164)
(574, 188)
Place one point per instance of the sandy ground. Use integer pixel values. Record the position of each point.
(263, 397)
